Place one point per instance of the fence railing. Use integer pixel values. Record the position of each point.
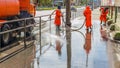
(22, 40)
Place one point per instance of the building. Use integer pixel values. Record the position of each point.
(76, 2)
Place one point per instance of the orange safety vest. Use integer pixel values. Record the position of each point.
(87, 14)
(58, 15)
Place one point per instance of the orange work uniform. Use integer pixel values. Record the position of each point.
(103, 16)
(58, 15)
(87, 14)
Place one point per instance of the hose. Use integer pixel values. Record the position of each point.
(72, 28)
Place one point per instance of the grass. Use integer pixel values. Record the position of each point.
(45, 8)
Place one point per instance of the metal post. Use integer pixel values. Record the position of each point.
(50, 29)
(0, 40)
(86, 2)
(116, 11)
(111, 12)
(50, 25)
(92, 4)
(53, 3)
(25, 33)
(40, 34)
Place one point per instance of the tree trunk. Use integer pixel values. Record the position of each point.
(68, 33)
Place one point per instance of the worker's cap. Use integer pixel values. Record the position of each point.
(59, 7)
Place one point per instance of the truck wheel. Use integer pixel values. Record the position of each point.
(29, 29)
(6, 36)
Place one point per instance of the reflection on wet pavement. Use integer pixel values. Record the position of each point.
(87, 45)
(86, 50)
(75, 49)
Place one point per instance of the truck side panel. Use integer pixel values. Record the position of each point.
(9, 8)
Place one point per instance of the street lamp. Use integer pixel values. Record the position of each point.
(92, 4)
(86, 2)
(53, 3)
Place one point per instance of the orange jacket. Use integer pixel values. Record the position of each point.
(87, 13)
(103, 16)
(58, 15)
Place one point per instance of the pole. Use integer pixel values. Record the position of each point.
(68, 33)
(112, 11)
(92, 4)
(116, 14)
(40, 34)
(68, 13)
(0, 40)
(86, 2)
(53, 3)
(25, 33)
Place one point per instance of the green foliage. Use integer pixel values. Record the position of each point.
(108, 17)
(109, 22)
(112, 28)
(83, 1)
(117, 36)
(45, 8)
(45, 3)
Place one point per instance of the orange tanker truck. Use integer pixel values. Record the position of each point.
(11, 10)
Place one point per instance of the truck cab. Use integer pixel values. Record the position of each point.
(27, 5)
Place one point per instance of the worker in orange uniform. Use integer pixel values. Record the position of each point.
(87, 13)
(103, 16)
(58, 15)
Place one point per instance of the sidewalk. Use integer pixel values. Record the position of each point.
(88, 48)
(113, 49)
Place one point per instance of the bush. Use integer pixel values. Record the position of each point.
(112, 28)
(117, 36)
(108, 17)
(109, 22)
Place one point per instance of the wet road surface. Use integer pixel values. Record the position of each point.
(88, 50)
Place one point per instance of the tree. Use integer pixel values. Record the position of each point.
(45, 2)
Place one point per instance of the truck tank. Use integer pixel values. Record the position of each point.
(9, 8)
